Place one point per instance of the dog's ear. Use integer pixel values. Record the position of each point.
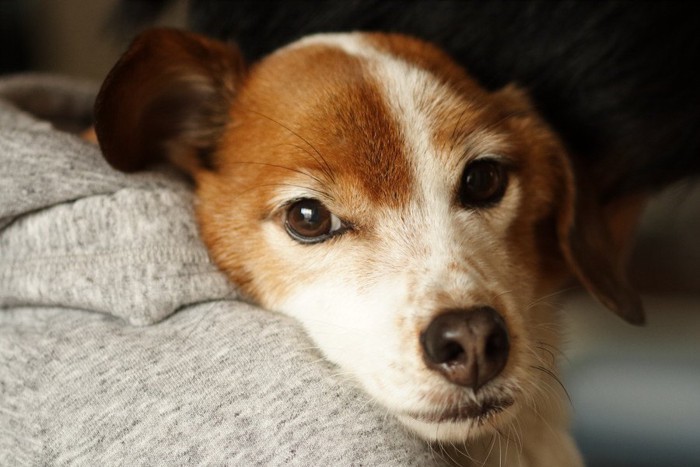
(168, 97)
(591, 252)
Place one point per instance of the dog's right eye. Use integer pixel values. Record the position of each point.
(309, 221)
(484, 183)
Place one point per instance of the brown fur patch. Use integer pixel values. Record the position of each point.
(313, 117)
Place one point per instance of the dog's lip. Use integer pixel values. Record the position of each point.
(464, 412)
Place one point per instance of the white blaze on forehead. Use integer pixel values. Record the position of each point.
(350, 43)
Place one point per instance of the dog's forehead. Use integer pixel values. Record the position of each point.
(374, 107)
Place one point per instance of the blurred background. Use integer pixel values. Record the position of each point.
(635, 392)
(73, 37)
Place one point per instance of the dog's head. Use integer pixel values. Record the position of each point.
(367, 186)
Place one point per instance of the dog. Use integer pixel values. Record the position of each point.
(414, 222)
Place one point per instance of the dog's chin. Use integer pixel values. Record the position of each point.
(459, 423)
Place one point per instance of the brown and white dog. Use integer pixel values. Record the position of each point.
(414, 223)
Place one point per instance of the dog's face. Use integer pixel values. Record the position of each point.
(368, 197)
(367, 186)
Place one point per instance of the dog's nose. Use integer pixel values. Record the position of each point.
(469, 347)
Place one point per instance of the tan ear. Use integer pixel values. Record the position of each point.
(168, 97)
(591, 252)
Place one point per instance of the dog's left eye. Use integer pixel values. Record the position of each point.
(309, 221)
(483, 184)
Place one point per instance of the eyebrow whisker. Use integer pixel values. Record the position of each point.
(323, 163)
(301, 172)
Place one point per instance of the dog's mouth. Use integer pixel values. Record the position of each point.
(466, 411)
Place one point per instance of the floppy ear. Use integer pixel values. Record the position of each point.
(591, 252)
(168, 97)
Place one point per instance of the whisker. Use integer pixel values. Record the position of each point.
(320, 160)
(307, 188)
(517, 430)
(553, 326)
(493, 444)
(446, 451)
(549, 352)
(325, 168)
(551, 295)
(550, 373)
(541, 358)
(553, 350)
(459, 451)
(550, 394)
(535, 410)
(276, 166)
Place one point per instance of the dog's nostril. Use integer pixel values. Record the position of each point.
(450, 351)
(497, 343)
(469, 347)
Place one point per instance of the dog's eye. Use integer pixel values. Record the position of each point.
(483, 183)
(309, 221)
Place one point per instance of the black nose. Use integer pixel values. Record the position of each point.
(469, 347)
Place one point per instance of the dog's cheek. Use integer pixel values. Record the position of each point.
(352, 327)
(358, 326)
(229, 225)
